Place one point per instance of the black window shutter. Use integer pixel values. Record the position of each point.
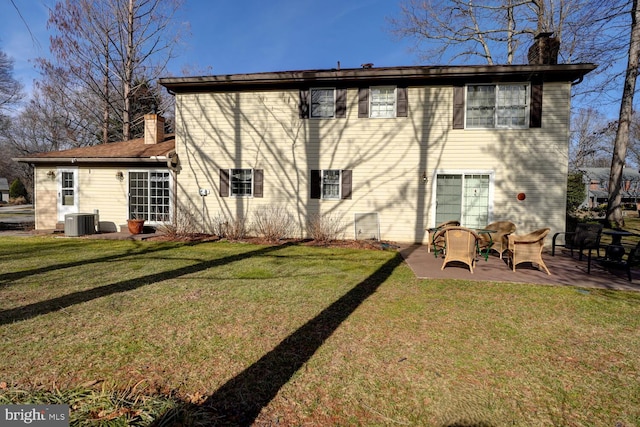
(401, 102)
(458, 107)
(303, 107)
(535, 109)
(258, 179)
(346, 184)
(363, 102)
(341, 103)
(224, 182)
(316, 189)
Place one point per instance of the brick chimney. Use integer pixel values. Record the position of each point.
(153, 128)
(544, 50)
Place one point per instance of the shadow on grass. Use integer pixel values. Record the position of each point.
(239, 401)
(7, 278)
(55, 304)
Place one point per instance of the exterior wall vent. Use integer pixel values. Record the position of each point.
(367, 226)
(79, 224)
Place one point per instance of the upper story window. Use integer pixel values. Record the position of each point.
(323, 103)
(383, 101)
(497, 106)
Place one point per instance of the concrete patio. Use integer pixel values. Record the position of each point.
(564, 269)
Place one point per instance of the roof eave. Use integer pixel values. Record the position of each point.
(73, 161)
(563, 72)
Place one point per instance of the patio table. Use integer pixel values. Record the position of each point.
(484, 252)
(615, 251)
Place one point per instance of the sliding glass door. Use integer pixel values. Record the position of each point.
(463, 197)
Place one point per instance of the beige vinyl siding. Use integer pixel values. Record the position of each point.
(45, 198)
(98, 188)
(387, 157)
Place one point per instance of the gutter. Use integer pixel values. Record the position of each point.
(356, 76)
(88, 160)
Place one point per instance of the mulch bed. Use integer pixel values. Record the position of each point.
(347, 244)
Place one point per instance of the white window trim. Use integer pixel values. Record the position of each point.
(322, 197)
(253, 182)
(171, 192)
(395, 102)
(434, 186)
(527, 113)
(333, 114)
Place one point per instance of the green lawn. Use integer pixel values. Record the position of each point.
(237, 334)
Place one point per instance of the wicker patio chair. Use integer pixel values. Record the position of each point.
(437, 238)
(497, 241)
(461, 245)
(527, 248)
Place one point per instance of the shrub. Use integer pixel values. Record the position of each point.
(273, 223)
(17, 189)
(229, 228)
(186, 224)
(576, 192)
(20, 200)
(325, 228)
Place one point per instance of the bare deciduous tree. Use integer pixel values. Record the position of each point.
(106, 48)
(614, 208)
(591, 139)
(10, 88)
(500, 31)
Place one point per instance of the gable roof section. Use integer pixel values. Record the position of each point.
(132, 151)
(415, 75)
(602, 174)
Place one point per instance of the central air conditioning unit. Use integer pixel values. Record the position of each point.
(78, 224)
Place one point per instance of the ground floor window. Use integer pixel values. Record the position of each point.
(150, 195)
(463, 197)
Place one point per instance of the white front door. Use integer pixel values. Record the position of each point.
(67, 192)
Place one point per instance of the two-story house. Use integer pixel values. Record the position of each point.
(387, 152)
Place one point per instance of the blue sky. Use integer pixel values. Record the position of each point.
(243, 36)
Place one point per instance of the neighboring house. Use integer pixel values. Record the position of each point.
(4, 190)
(118, 180)
(597, 186)
(386, 152)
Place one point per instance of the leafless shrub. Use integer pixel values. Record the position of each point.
(325, 228)
(186, 224)
(229, 228)
(20, 200)
(273, 223)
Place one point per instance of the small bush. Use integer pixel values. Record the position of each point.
(20, 200)
(273, 223)
(229, 228)
(17, 189)
(325, 228)
(186, 224)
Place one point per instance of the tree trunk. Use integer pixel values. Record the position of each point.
(105, 95)
(128, 75)
(614, 209)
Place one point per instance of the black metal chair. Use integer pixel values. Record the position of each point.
(633, 260)
(586, 237)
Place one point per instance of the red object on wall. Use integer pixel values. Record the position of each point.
(521, 196)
